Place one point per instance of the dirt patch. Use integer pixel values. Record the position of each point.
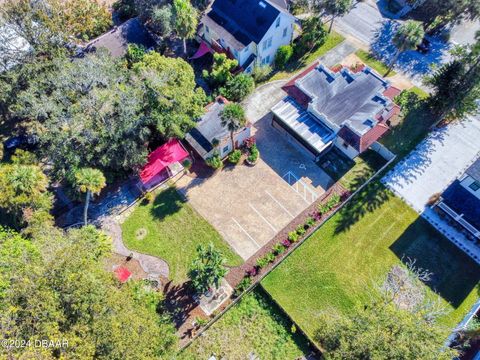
(115, 261)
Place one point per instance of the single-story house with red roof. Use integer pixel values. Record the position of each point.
(347, 108)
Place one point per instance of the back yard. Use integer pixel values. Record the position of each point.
(170, 229)
(337, 265)
(254, 326)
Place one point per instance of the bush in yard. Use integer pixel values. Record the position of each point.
(252, 271)
(286, 243)
(333, 201)
(235, 156)
(313, 36)
(242, 286)
(300, 230)
(270, 257)
(278, 248)
(309, 222)
(293, 236)
(284, 53)
(249, 142)
(261, 73)
(221, 70)
(238, 88)
(262, 262)
(148, 198)
(187, 164)
(135, 53)
(254, 154)
(214, 161)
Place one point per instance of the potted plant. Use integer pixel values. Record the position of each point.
(253, 156)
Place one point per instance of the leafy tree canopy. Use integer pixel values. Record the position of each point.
(87, 113)
(238, 87)
(173, 101)
(381, 331)
(55, 287)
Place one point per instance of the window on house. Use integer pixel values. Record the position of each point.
(285, 32)
(207, 29)
(267, 59)
(277, 24)
(269, 42)
(475, 185)
(345, 145)
(246, 49)
(235, 53)
(225, 149)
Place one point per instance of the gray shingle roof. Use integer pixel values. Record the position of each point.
(474, 170)
(346, 98)
(116, 41)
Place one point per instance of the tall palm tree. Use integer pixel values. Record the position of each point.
(334, 8)
(186, 20)
(408, 36)
(89, 181)
(233, 118)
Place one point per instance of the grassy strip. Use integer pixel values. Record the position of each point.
(170, 229)
(374, 63)
(332, 41)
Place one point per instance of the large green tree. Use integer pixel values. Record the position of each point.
(54, 287)
(207, 269)
(173, 100)
(407, 37)
(88, 113)
(381, 331)
(333, 8)
(23, 189)
(442, 12)
(456, 84)
(186, 20)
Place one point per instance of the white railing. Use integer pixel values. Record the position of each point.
(307, 192)
(458, 218)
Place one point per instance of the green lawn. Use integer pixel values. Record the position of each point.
(333, 40)
(255, 325)
(360, 244)
(413, 127)
(373, 62)
(173, 232)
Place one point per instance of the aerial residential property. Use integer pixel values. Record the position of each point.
(251, 31)
(239, 179)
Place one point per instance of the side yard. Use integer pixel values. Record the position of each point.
(336, 267)
(254, 327)
(169, 228)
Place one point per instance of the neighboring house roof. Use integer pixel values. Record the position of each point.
(474, 170)
(358, 102)
(240, 22)
(116, 41)
(463, 202)
(209, 127)
(345, 98)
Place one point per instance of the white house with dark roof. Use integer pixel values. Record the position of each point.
(250, 31)
(461, 200)
(342, 107)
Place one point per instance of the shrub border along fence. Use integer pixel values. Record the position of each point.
(292, 248)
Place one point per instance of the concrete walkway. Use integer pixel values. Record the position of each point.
(436, 162)
(153, 266)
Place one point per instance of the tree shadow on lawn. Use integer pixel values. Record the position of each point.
(455, 274)
(369, 199)
(167, 202)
